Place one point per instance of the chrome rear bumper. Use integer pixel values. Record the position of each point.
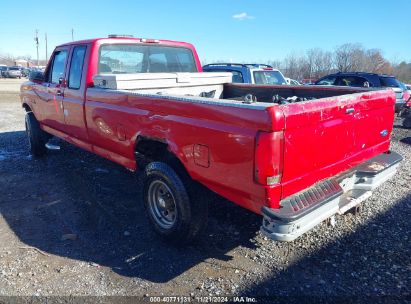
(306, 209)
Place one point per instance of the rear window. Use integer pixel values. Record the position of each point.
(14, 69)
(268, 77)
(134, 58)
(390, 82)
(237, 75)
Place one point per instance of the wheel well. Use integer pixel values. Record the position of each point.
(148, 150)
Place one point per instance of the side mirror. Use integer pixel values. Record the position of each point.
(36, 76)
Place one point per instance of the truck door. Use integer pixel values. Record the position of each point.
(73, 101)
(51, 101)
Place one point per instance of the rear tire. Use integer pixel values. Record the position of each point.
(36, 136)
(170, 205)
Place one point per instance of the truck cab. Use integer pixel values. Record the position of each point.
(260, 74)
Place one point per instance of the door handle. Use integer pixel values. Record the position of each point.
(349, 110)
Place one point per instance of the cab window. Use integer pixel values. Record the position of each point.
(57, 70)
(76, 67)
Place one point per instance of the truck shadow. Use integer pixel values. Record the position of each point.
(77, 205)
(371, 264)
(406, 140)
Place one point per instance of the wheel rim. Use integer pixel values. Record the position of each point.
(162, 204)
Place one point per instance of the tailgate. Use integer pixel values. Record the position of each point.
(327, 136)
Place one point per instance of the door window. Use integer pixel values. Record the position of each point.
(76, 67)
(237, 77)
(353, 81)
(327, 81)
(59, 62)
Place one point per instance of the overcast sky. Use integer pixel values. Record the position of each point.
(237, 30)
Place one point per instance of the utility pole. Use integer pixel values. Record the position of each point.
(72, 34)
(36, 39)
(47, 57)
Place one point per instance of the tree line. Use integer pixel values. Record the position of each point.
(315, 62)
(349, 57)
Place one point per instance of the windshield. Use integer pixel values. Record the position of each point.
(135, 58)
(390, 82)
(14, 69)
(268, 77)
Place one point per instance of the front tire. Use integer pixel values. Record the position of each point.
(36, 136)
(172, 212)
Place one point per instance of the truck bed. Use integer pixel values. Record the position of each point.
(321, 138)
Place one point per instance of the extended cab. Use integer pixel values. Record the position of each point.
(296, 155)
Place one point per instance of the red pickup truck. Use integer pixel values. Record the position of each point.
(297, 155)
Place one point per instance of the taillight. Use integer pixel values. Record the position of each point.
(269, 157)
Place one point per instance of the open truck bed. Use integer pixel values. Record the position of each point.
(332, 150)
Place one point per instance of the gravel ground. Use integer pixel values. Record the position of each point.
(72, 224)
(10, 85)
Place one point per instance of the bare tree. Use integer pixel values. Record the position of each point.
(319, 63)
(403, 71)
(7, 59)
(348, 57)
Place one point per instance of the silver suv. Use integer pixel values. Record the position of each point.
(13, 72)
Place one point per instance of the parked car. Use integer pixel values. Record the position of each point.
(190, 131)
(13, 72)
(405, 112)
(291, 81)
(3, 69)
(25, 72)
(372, 80)
(249, 73)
